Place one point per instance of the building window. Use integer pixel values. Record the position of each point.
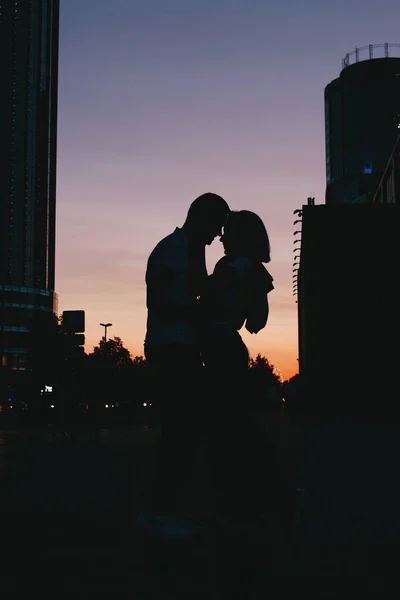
(367, 170)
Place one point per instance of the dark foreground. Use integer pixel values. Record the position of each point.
(67, 529)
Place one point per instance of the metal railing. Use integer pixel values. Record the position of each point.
(373, 52)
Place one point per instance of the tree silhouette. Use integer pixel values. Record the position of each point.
(139, 361)
(291, 390)
(261, 362)
(108, 373)
(111, 352)
(263, 380)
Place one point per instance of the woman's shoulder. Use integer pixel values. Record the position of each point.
(241, 264)
(233, 269)
(225, 273)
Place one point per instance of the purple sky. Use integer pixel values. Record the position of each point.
(162, 100)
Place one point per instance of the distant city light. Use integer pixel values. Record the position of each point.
(51, 405)
(106, 405)
(367, 170)
(277, 372)
(144, 403)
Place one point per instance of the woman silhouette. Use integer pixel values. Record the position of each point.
(242, 461)
(237, 294)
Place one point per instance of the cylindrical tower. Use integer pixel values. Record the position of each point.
(362, 118)
(29, 31)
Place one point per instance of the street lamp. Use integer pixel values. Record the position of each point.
(105, 325)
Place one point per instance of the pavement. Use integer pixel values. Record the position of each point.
(68, 504)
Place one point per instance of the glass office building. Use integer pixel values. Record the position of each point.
(29, 32)
(362, 121)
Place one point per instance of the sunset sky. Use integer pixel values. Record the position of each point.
(163, 100)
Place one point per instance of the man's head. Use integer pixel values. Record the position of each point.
(206, 217)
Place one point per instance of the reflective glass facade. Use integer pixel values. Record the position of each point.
(29, 31)
(362, 117)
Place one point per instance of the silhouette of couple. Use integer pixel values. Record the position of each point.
(197, 358)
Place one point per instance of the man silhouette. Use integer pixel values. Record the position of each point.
(175, 275)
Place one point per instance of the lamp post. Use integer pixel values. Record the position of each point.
(105, 325)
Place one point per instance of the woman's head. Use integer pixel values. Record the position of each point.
(245, 235)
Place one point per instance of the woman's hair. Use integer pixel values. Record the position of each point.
(247, 233)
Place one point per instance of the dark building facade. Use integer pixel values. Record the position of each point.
(388, 191)
(348, 307)
(29, 32)
(348, 312)
(362, 118)
(345, 284)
